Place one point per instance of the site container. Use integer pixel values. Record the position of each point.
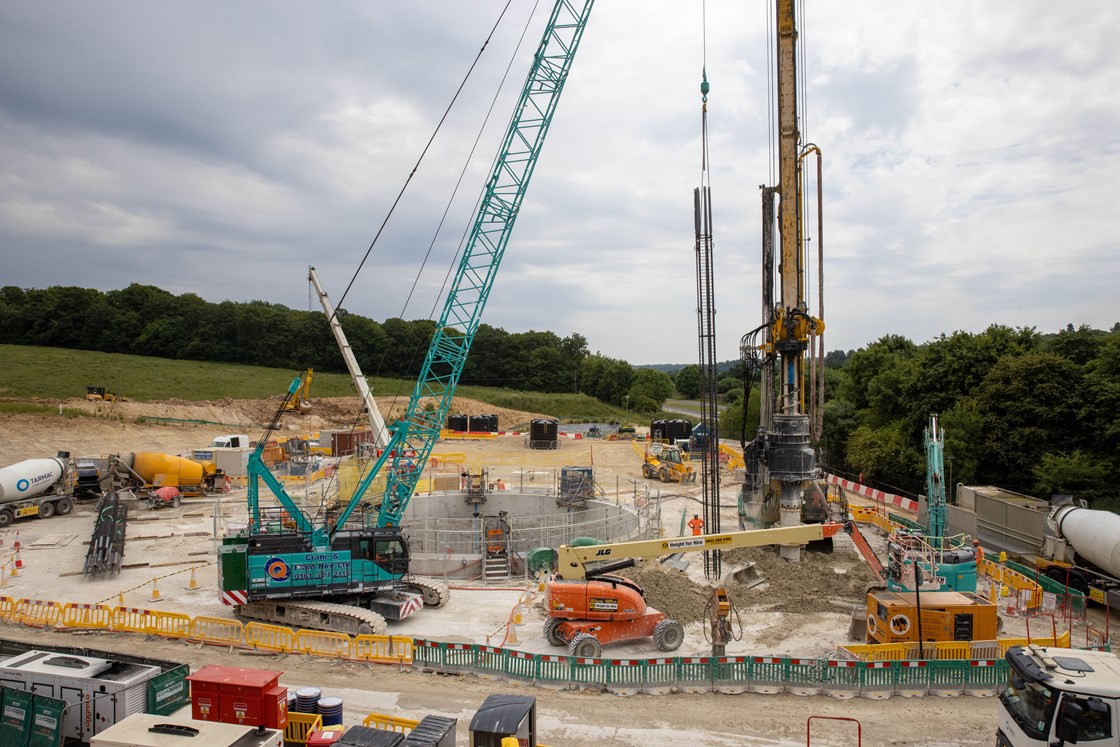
(234, 695)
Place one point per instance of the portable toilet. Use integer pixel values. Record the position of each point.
(502, 716)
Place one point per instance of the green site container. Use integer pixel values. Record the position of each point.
(169, 691)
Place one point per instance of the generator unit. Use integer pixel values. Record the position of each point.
(98, 692)
(896, 616)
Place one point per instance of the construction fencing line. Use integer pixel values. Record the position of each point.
(980, 675)
(155, 579)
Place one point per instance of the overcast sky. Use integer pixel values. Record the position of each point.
(971, 160)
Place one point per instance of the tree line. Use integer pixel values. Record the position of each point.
(147, 320)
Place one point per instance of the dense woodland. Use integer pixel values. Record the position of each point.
(1035, 413)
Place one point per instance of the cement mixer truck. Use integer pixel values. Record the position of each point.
(36, 487)
(1084, 552)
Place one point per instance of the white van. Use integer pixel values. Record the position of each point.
(237, 441)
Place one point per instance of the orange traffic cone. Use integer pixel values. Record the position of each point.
(511, 639)
(193, 584)
(120, 599)
(19, 563)
(155, 591)
(16, 545)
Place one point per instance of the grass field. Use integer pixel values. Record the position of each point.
(58, 373)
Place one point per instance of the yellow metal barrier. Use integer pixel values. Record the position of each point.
(36, 613)
(952, 649)
(86, 616)
(383, 649)
(7, 607)
(170, 624)
(269, 637)
(389, 723)
(131, 620)
(300, 725)
(322, 643)
(217, 630)
(734, 458)
(1012, 579)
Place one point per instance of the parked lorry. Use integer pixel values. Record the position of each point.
(1084, 552)
(1057, 696)
(37, 487)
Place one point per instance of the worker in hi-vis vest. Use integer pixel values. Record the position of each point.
(696, 524)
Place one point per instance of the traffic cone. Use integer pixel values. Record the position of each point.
(193, 583)
(4, 582)
(120, 599)
(16, 545)
(19, 563)
(511, 639)
(155, 591)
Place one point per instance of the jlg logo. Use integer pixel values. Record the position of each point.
(604, 551)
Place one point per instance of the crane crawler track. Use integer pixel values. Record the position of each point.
(435, 593)
(328, 616)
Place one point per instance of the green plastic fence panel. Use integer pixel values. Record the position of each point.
(427, 654)
(841, 677)
(769, 674)
(695, 673)
(661, 675)
(15, 717)
(459, 657)
(805, 676)
(985, 676)
(877, 679)
(913, 677)
(948, 677)
(553, 670)
(46, 722)
(626, 675)
(590, 673)
(732, 674)
(908, 523)
(521, 666)
(491, 660)
(169, 692)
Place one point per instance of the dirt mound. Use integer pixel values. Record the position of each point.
(805, 587)
(174, 426)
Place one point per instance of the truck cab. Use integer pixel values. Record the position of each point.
(237, 441)
(1057, 696)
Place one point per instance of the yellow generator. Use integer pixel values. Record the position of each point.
(892, 617)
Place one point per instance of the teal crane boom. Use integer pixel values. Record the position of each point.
(417, 432)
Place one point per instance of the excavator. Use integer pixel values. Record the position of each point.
(349, 577)
(301, 401)
(590, 606)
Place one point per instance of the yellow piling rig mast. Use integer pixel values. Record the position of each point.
(782, 460)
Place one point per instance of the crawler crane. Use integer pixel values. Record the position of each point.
(329, 575)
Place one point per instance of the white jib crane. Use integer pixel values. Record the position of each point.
(376, 422)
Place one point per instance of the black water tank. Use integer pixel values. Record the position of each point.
(457, 423)
(658, 430)
(543, 434)
(483, 423)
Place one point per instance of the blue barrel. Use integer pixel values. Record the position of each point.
(331, 711)
(307, 699)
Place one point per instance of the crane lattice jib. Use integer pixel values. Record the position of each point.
(417, 433)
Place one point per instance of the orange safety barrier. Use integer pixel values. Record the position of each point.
(390, 723)
(7, 607)
(170, 624)
(37, 613)
(269, 637)
(300, 725)
(322, 643)
(383, 649)
(218, 630)
(86, 616)
(131, 620)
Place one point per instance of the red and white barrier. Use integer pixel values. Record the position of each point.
(879, 496)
